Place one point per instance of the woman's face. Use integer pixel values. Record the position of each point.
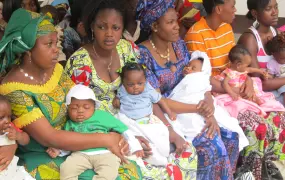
(269, 15)
(227, 11)
(108, 28)
(45, 52)
(29, 5)
(167, 27)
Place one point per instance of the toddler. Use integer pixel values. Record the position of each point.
(135, 98)
(8, 135)
(191, 90)
(276, 66)
(84, 118)
(236, 76)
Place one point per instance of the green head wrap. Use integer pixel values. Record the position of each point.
(21, 33)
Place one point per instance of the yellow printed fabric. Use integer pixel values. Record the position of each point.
(32, 102)
(217, 44)
(82, 71)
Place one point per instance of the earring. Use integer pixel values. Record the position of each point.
(256, 24)
(92, 35)
(155, 30)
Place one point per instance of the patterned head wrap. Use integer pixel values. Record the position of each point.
(20, 35)
(148, 11)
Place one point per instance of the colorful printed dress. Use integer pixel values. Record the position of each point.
(217, 157)
(32, 102)
(81, 70)
(266, 134)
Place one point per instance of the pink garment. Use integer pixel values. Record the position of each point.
(242, 105)
(282, 28)
(262, 56)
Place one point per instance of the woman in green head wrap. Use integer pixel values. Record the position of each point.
(36, 87)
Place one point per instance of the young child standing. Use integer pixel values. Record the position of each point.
(236, 76)
(276, 66)
(9, 134)
(135, 98)
(84, 118)
(191, 90)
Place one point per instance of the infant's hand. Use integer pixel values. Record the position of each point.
(53, 152)
(234, 96)
(3, 126)
(12, 133)
(139, 154)
(264, 73)
(116, 103)
(172, 116)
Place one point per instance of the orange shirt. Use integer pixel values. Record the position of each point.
(217, 44)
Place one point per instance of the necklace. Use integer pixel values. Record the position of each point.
(95, 52)
(32, 77)
(168, 63)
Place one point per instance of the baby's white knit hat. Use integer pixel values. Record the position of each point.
(83, 93)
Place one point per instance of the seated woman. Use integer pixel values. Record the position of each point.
(96, 65)
(265, 14)
(165, 57)
(214, 36)
(36, 88)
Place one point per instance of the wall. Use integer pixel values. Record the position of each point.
(242, 7)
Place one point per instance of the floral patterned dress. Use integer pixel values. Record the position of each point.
(82, 71)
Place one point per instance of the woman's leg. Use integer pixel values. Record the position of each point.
(213, 159)
(266, 138)
(231, 142)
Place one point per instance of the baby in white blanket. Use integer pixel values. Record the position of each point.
(191, 90)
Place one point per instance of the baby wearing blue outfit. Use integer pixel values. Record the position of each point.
(135, 99)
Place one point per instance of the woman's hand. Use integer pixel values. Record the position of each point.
(212, 127)
(6, 155)
(179, 142)
(118, 146)
(206, 107)
(145, 145)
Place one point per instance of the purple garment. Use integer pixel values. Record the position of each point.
(161, 77)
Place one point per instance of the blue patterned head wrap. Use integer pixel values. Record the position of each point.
(148, 11)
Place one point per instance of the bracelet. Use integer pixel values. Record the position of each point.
(168, 125)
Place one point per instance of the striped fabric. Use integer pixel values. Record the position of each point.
(217, 44)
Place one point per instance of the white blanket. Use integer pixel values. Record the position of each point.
(157, 135)
(13, 172)
(191, 90)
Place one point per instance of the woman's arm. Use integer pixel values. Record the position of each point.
(179, 107)
(249, 41)
(217, 86)
(46, 135)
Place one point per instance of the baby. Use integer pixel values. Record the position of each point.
(135, 99)
(237, 74)
(191, 90)
(8, 135)
(235, 77)
(84, 118)
(276, 66)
